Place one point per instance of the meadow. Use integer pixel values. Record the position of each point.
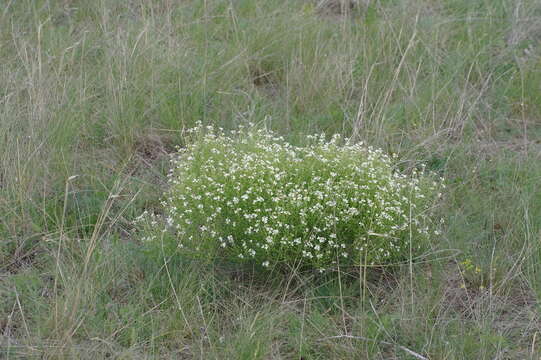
(95, 97)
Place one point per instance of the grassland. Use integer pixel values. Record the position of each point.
(94, 95)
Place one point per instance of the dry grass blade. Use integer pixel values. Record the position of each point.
(409, 351)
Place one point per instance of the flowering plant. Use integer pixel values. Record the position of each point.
(251, 196)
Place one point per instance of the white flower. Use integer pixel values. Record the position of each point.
(259, 189)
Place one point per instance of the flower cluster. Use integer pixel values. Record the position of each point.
(251, 196)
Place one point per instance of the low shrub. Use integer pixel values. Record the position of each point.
(250, 196)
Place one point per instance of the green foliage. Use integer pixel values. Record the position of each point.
(254, 197)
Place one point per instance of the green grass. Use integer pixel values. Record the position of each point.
(95, 94)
